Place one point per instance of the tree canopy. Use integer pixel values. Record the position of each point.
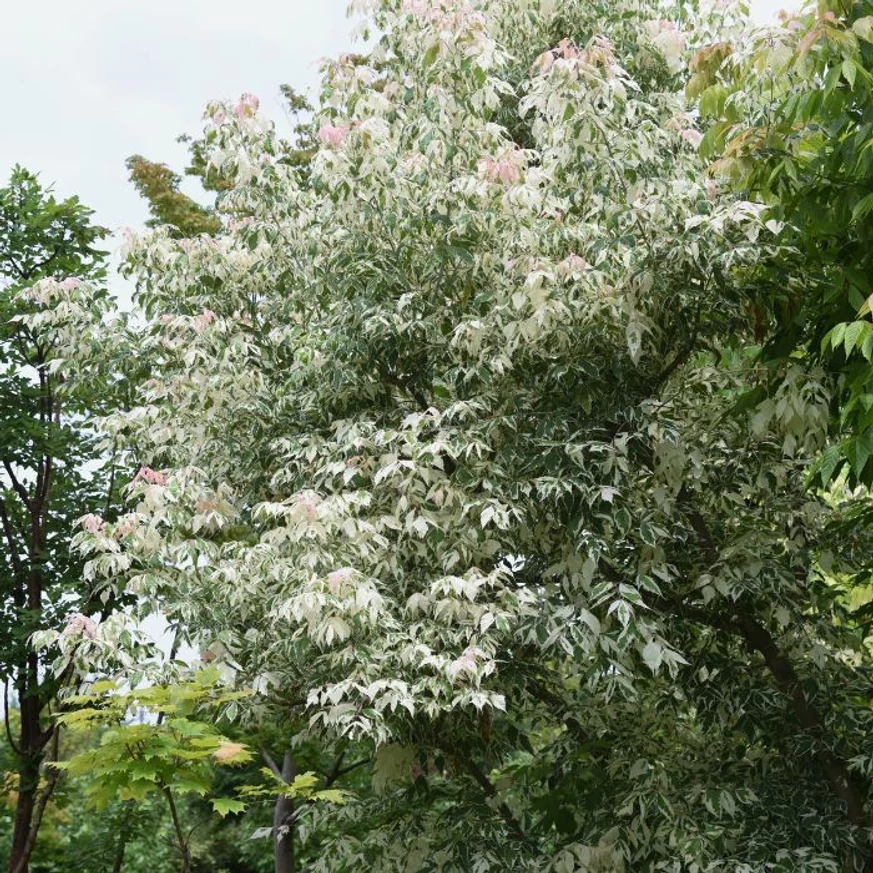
(444, 455)
(495, 433)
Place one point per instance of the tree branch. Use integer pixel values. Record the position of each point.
(271, 763)
(759, 639)
(683, 354)
(19, 489)
(491, 793)
(333, 774)
(340, 773)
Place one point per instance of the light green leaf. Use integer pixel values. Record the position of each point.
(226, 805)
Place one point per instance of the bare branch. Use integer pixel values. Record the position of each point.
(271, 763)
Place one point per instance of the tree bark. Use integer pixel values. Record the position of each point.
(32, 742)
(28, 784)
(37, 812)
(283, 817)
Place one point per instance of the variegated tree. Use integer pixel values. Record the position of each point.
(443, 456)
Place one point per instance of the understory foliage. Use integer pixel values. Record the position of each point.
(443, 455)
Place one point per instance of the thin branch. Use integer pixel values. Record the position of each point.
(193, 828)
(42, 496)
(683, 354)
(19, 489)
(333, 774)
(340, 773)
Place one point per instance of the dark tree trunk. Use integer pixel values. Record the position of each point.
(283, 817)
(28, 785)
(32, 737)
(31, 751)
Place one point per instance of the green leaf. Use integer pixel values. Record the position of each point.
(227, 805)
(332, 795)
(830, 458)
(712, 101)
(853, 333)
(849, 71)
(863, 27)
(862, 208)
(858, 451)
(834, 337)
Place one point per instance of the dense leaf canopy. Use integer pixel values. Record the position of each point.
(459, 445)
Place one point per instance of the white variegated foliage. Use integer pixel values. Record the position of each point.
(448, 462)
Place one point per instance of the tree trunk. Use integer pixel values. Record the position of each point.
(28, 785)
(181, 842)
(123, 836)
(283, 816)
(31, 746)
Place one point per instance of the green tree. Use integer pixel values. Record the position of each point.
(51, 320)
(159, 186)
(791, 127)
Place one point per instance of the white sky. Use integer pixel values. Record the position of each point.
(86, 83)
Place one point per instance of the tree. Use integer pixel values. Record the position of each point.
(52, 312)
(791, 120)
(159, 185)
(445, 459)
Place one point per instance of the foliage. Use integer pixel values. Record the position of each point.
(159, 185)
(56, 374)
(151, 744)
(73, 836)
(159, 742)
(792, 126)
(451, 453)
